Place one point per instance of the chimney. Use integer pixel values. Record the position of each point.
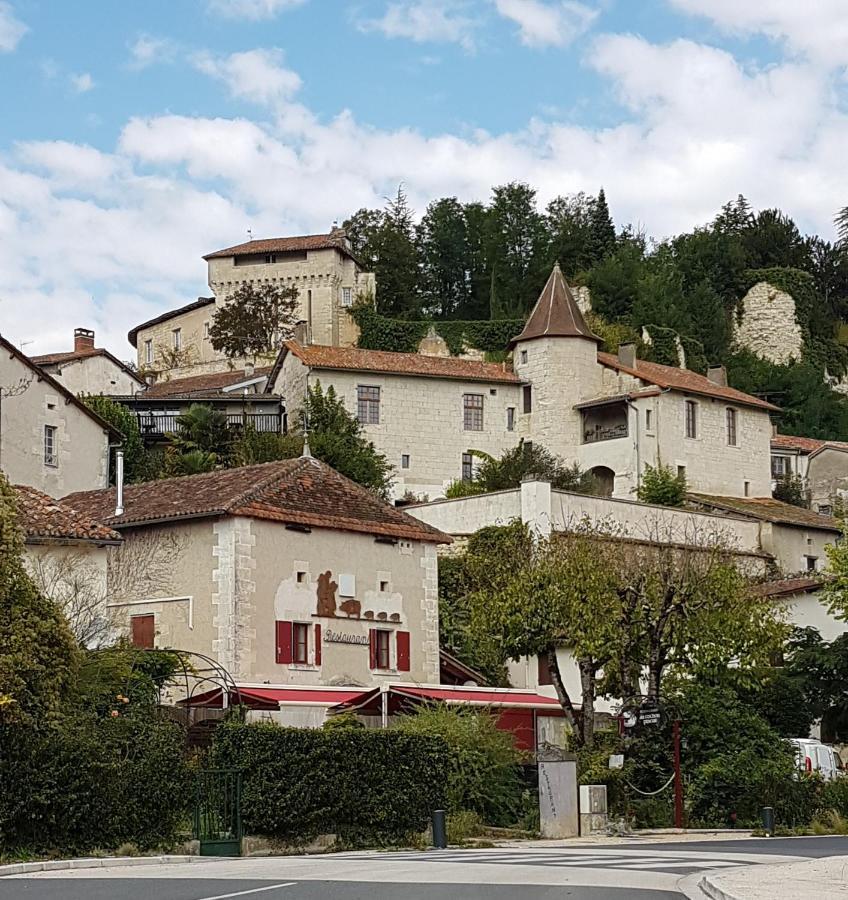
(249, 368)
(627, 355)
(83, 340)
(119, 483)
(717, 375)
(299, 333)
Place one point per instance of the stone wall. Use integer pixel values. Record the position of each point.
(767, 325)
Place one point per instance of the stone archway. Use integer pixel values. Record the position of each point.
(604, 480)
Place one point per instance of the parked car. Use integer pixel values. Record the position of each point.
(814, 756)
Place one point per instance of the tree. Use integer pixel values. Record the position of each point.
(479, 270)
(792, 489)
(39, 658)
(202, 429)
(116, 414)
(601, 240)
(568, 221)
(442, 239)
(336, 438)
(614, 282)
(662, 487)
(773, 239)
(254, 320)
(396, 260)
(362, 230)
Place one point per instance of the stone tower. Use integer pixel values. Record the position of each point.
(556, 357)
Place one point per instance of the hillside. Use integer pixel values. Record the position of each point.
(747, 289)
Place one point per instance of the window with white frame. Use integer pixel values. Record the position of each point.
(368, 404)
(347, 296)
(177, 338)
(472, 412)
(691, 419)
(51, 449)
(779, 466)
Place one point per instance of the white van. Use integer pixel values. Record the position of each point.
(814, 756)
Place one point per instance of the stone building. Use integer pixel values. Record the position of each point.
(614, 415)
(322, 267)
(90, 370)
(285, 573)
(821, 466)
(49, 439)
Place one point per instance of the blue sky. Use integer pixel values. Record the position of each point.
(136, 136)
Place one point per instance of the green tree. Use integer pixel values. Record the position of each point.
(442, 239)
(614, 282)
(568, 221)
(116, 414)
(396, 260)
(202, 429)
(362, 230)
(254, 320)
(39, 657)
(336, 438)
(662, 487)
(791, 489)
(773, 239)
(479, 269)
(601, 230)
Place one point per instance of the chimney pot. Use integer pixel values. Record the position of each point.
(299, 334)
(249, 368)
(83, 340)
(627, 355)
(717, 375)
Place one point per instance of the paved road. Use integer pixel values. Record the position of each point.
(633, 871)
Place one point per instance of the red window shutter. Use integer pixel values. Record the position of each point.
(143, 631)
(372, 648)
(317, 644)
(284, 642)
(544, 669)
(403, 651)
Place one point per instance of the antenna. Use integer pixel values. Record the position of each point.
(250, 234)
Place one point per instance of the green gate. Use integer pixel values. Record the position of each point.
(217, 812)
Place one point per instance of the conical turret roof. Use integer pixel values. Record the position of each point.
(556, 314)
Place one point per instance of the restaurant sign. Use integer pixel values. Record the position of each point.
(338, 637)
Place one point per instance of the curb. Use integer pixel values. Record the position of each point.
(50, 865)
(713, 891)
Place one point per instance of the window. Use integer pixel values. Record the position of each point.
(380, 653)
(300, 643)
(206, 331)
(148, 352)
(731, 427)
(544, 670)
(523, 356)
(691, 419)
(404, 460)
(51, 450)
(811, 563)
(779, 466)
(177, 337)
(368, 404)
(347, 296)
(649, 419)
(385, 587)
(302, 578)
(467, 467)
(472, 412)
(681, 471)
(747, 488)
(510, 418)
(527, 395)
(143, 631)
(825, 509)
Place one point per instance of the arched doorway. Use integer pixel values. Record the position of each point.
(604, 480)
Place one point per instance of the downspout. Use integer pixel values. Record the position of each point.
(384, 706)
(631, 405)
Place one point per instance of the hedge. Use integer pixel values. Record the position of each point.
(92, 783)
(366, 786)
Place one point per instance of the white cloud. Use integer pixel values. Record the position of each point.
(817, 28)
(542, 24)
(425, 21)
(255, 75)
(11, 28)
(148, 50)
(82, 83)
(252, 9)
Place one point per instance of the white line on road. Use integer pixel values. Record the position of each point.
(271, 887)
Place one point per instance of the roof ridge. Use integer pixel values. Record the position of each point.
(273, 476)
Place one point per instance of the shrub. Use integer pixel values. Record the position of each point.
(483, 774)
(360, 784)
(662, 487)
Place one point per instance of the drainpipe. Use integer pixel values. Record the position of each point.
(384, 706)
(631, 405)
(119, 483)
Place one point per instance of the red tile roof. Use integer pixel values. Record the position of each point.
(300, 491)
(769, 510)
(201, 384)
(132, 335)
(804, 444)
(683, 380)
(318, 356)
(281, 245)
(43, 518)
(787, 586)
(556, 314)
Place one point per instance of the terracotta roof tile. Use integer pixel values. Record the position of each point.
(281, 245)
(43, 517)
(786, 586)
(683, 380)
(769, 510)
(201, 383)
(300, 491)
(804, 444)
(132, 335)
(556, 314)
(322, 357)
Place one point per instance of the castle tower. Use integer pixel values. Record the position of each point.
(555, 356)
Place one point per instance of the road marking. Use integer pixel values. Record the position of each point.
(271, 887)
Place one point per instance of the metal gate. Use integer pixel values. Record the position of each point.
(217, 812)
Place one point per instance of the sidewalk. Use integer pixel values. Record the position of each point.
(814, 879)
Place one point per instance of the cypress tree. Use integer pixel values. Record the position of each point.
(601, 230)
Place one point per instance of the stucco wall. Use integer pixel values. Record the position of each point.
(28, 405)
(808, 610)
(94, 375)
(792, 545)
(767, 324)
(196, 349)
(827, 475)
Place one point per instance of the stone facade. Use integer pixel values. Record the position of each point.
(767, 324)
(96, 374)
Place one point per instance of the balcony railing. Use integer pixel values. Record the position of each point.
(592, 435)
(154, 425)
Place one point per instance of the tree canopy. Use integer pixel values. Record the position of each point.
(254, 320)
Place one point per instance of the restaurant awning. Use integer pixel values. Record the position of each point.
(274, 696)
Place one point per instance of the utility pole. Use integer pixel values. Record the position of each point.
(678, 779)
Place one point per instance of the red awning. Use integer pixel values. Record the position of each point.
(402, 696)
(273, 697)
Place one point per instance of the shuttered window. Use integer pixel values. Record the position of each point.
(378, 642)
(143, 631)
(300, 643)
(403, 661)
(317, 644)
(544, 670)
(284, 643)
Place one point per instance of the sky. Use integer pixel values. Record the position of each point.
(135, 137)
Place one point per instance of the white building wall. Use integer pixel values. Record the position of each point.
(95, 375)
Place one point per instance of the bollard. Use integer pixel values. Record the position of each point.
(440, 838)
(767, 814)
